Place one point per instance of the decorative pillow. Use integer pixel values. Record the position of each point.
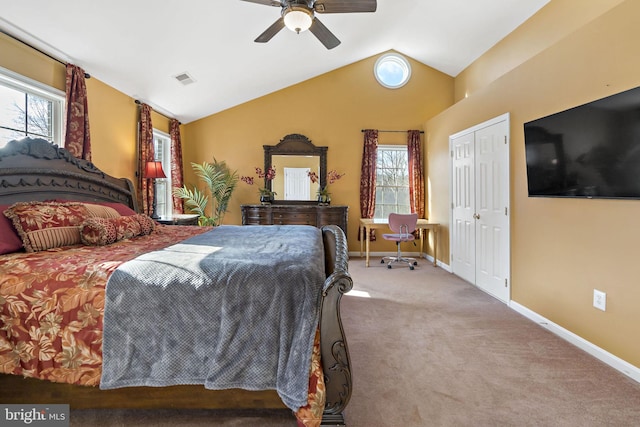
(9, 239)
(101, 211)
(98, 231)
(104, 231)
(146, 223)
(122, 209)
(46, 225)
(127, 227)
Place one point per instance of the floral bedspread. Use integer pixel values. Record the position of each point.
(52, 305)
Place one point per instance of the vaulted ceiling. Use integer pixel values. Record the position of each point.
(139, 47)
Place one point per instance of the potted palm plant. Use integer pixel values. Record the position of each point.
(220, 182)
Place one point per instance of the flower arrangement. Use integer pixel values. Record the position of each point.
(268, 175)
(323, 192)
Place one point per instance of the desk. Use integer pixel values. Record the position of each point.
(367, 224)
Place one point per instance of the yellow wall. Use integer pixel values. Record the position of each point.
(551, 24)
(330, 110)
(113, 123)
(561, 248)
(23, 60)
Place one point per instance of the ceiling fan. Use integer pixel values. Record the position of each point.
(299, 15)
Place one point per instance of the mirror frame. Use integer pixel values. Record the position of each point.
(296, 145)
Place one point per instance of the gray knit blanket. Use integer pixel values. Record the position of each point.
(235, 307)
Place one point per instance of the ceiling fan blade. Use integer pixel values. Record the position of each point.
(271, 31)
(323, 34)
(266, 2)
(344, 6)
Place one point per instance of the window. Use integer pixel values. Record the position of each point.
(392, 70)
(392, 181)
(162, 150)
(29, 108)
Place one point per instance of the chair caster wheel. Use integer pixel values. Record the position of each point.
(389, 266)
(381, 261)
(415, 262)
(411, 267)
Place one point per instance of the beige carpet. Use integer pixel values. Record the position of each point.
(428, 349)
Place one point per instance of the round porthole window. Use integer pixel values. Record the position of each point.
(392, 70)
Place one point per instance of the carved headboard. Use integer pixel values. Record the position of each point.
(33, 169)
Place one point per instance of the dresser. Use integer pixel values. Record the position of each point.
(310, 214)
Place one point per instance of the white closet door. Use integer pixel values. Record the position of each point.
(463, 261)
(492, 201)
(480, 242)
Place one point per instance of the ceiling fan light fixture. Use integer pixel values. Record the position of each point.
(297, 19)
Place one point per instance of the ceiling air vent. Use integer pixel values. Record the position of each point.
(184, 78)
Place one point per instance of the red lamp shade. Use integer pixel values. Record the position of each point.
(154, 170)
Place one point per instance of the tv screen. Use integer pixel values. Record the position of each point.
(591, 151)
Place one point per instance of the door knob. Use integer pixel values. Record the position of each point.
(476, 216)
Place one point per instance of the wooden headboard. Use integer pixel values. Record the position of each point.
(33, 169)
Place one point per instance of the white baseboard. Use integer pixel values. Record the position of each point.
(615, 362)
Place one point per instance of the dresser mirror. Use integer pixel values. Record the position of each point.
(293, 157)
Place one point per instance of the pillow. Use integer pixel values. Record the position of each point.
(98, 232)
(46, 225)
(122, 209)
(146, 223)
(127, 227)
(9, 239)
(104, 231)
(101, 211)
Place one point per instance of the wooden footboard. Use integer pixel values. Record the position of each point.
(333, 344)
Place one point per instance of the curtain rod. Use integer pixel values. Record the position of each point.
(137, 101)
(390, 131)
(86, 75)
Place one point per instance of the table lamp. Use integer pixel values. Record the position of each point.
(152, 171)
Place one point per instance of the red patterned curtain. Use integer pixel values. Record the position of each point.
(145, 154)
(77, 139)
(368, 177)
(416, 175)
(176, 163)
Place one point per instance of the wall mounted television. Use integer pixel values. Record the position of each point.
(589, 151)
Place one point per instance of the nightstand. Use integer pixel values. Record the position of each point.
(179, 219)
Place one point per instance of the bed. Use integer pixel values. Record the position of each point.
(33, 170)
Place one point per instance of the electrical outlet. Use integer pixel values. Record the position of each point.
(600, 300)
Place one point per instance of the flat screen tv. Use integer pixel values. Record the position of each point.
(589, 151)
